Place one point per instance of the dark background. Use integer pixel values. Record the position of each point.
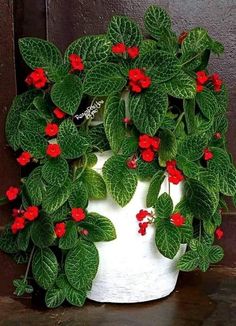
(62, 21)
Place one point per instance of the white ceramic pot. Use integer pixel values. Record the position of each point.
(131, 268)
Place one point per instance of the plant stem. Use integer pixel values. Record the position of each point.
(179, 120)
(28, 265)
(200, 230)
(197, 55)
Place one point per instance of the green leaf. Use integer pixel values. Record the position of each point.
(216, 254)
(168, 145)
(35, 187)
(23, 238)
(168, 238)
(216, 47)
(228, 182)
(164, 206)
(147, 46)
(76, 297)
(113, 121)
(100, 228)
(207, 103)
(94, 183)
(196, 41)
(44, 267)
(54, 297)
(79, 194)
(32, 121)
(120, 180)
(208, 227)
(200, 200)
(81, 264)
(60, 214)
(68, 135)
(161, 65)
(189, 114)
(148, 111)
(67, 94)
(92, 49)
(155, 19)
(186, 232)
(22, 287)
(43, 105)
(8, 241)
(13, 122)
(146, 170)
(123, 30)
(55, 197)
(192, 146)
(220, 162)
(98, 138)
(33, 143)
(188, 262)
(55, 171)
(42, 232)
(181, 86)
(154, 188)
(104, 79)
(39, 53)
(69, 240)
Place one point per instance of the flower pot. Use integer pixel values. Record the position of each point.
(131, 268)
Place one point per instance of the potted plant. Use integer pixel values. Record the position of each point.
(154, 162)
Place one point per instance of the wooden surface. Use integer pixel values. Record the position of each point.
(200, 299)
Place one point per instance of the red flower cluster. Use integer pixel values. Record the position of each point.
(51, 129)
(182, 37)
(177, 219)
(53, 150)
(59, 114)
(219, 233)
(37, 78)
(143, 227)
(216, 81)
(138, 80)
(76, 62)
(121, 48)
(142, 214)
(24, 158)
(202, 79)
(60, 229)
(78, 214)
(132, 163)
(175, 175)
(208, 155)
(12, 193)
(31, 213)
(149, 146)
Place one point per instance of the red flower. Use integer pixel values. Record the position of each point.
(78, 214)
(175, 175)
(135, 87)
(219, 233)
(132, 164)
(199, 88)
(31, 213)
(148, 155)
(177, 219)
(12, 193)
(16, 212)
(133, 52)
(51, 129)
(155, 143)
(182, 37)
(145, 141)
(37, 78)
(53, 150)
(217, 135)
(76, 62)
(171, 166)
(127, 120)
(217, 82)
(60, 229)
(142, 214)
(24, 158)
(84, 232)
(145, 82)
(136, 74)
(202, 77)
(143, 227)
(118, 48)
(59, 113)
(208, 155)
(18, 224)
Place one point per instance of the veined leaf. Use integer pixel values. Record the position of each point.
(164, 206)
(154, 188)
